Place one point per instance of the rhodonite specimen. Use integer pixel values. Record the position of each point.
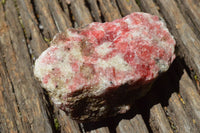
(99, 70)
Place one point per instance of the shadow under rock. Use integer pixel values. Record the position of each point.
(160, 92)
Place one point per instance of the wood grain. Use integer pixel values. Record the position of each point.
(10, 119)
(191, 11)
(179, 116)
(125, 126)
(61, 19)
(95, 127)
(150, 7)
(128, 6)
(100, 130)
(45, 17)
(26, 29)
(191, 99)
(81, 12)
(109, 10)
(31, 28)
(134, 125)
(65, 8)
(67, 125)
(138, 124)
(31, 107)
(158, 120)
(96, 13)
(189, 45)
(37, 44)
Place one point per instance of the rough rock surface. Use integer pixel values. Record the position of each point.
(99, 70)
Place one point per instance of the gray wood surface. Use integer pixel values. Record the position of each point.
(158, 120)
(28, 26)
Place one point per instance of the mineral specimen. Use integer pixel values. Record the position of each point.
(99, 70)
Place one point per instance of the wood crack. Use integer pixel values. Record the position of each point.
(94, 9)
(32, 58)
(80, 12)
(26, 29)
(13, 90)
(66, 8)
(192, 18)
(101, 14)
(3, 64)
(38, 23)
(61, 19)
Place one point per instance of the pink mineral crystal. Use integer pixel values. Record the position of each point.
(99, 70)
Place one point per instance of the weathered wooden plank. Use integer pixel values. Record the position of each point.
(100, 130)
(95, 127)
(191, 99)
(158, 120)
(10, 120)
(125, 126)
(10, 117)
(114, 3)
(64, 5)
(191, 11)
(95, 10)
(36, 42)
(134, 125)
(32, 108)
(67, 125)
(80, 12)
(179, 116)
(150, 7)
(189, 45)
(128, 6)
(34, 38)
(138, 124)
(45, 17)
(109, 10)
(31, 28)
(61, 20)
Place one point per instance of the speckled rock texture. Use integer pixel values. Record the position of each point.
(101, 69)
